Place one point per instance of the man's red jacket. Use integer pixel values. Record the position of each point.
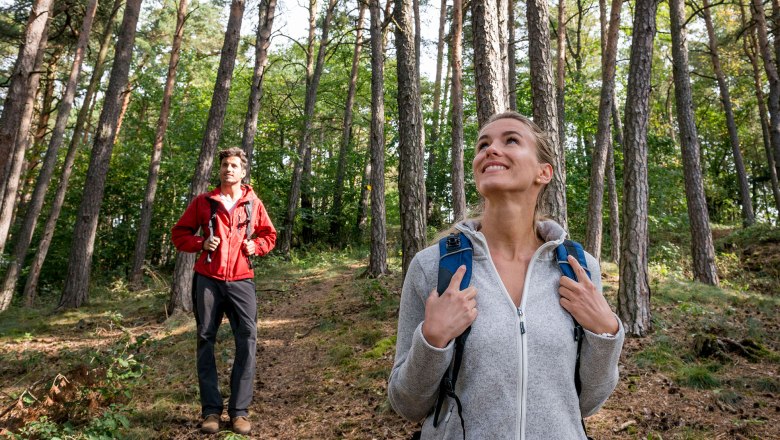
(228, 260)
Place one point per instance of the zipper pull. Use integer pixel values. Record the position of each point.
(522, 322)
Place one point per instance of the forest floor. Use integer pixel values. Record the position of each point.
(117, 368)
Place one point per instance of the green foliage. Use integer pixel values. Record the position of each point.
(698, 376)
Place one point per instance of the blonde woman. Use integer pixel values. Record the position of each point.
(516, 380)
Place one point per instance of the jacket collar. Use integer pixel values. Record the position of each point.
(549, 231)
(246, 192)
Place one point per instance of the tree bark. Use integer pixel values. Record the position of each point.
(411, 174)
(142, 239)
(266, 13)
(614, 210)
(511, 80)
(21, 137)
(750, 47)
(748, 218)
(50, 161)
(488, 71)
(76, 289)
(181, 298)
(361, 223)
(377, 260)
(457, 146)
(312, 84)
(31, 285)
(433, 140)
(20, 84)
(545, 108)
(772, 76)
(560, 71)
(336, 224)
(593, 235)
(634, 288)
(702, 249)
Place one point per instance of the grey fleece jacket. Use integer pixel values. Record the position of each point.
(517, 376)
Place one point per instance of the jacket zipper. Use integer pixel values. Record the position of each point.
(522, 349)
(523, 392)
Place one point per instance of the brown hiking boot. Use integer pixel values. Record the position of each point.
(210, 424)
(241, 425)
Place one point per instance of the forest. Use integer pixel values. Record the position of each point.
(359, 119)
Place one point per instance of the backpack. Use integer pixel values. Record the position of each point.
(213, 204)
(455, 250)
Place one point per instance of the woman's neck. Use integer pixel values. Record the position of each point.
(510, 229)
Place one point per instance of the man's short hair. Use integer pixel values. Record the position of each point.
(234, 152)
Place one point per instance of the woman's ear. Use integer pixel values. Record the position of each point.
(545, 174)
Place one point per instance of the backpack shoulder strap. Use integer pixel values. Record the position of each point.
(213, 205)
(562, 252)
(455, 250)
(249, 206)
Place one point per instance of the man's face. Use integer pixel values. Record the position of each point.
(231, 171)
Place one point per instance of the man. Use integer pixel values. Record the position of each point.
(223, 283)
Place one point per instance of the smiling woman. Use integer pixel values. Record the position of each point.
(518, 368)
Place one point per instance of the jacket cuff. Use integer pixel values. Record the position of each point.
(427, 363)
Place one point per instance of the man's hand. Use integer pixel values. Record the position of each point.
(249, 247)
(211, 243)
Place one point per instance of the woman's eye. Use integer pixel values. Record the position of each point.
(482, 145)
(512, 140)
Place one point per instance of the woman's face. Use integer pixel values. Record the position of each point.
(506, 159)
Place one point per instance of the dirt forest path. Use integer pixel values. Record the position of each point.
(299, 392)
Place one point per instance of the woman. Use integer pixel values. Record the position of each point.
(516, 380)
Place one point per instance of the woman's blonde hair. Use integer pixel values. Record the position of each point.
(544, 154)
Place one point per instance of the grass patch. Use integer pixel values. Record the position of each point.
(381, 347)
(697, 376)
(662, 355)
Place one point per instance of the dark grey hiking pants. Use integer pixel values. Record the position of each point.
(211, 300)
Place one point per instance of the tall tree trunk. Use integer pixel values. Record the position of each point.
(20, 84)
(31, 285)
(702, 249)
(266, 13)
(488, 71)
(560, 71)
(511, 80)
(76, 289)
(411, 171)
(634, 290)
(545, 108)
(458, 173)
(612, 185)
(433, 140)
(307, 199)
(50, 161)
(774, 80)
(42, 126)
(126, 95)
(142, 239)
(181, 298)
(336, 222)
(312, 84)
(377, 260)
(361, 223)
(503, 43)
(22, 137)
(593, 235)
(750, 47)
(744, 189)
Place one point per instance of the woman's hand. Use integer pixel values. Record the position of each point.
(450, 314)
(585, 303)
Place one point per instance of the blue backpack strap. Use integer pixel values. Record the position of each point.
(455, 250)
(562, 252)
